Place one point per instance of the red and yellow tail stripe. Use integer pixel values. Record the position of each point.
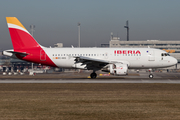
(25, 46)
(13, 22)
(21, 38)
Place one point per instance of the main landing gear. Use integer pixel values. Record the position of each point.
(93, 75)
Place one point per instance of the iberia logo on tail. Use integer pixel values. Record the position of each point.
(13, 22)
(18, 31)
(25, 46)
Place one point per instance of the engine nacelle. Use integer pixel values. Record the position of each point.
(118, 69)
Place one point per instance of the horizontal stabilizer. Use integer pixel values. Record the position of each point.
(19, 53)
(12, 53)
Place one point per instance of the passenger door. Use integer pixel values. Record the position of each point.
(151, 55)
(42, 55)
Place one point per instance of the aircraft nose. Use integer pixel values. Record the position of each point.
(174, 61)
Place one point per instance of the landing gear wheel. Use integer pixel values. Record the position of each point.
(151, 76)
(93, 75)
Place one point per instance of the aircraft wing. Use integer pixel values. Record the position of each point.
(92, 63)
(90, 59)
(97, 64)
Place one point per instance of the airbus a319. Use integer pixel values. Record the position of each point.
(116, 61)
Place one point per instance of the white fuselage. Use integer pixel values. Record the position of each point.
(136, 58)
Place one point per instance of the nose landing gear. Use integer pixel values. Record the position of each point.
(151, 76)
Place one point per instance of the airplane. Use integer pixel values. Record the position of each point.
(116, 61)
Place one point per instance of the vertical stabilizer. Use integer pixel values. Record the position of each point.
(21, 38)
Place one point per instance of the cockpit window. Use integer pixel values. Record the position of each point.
(165, 54)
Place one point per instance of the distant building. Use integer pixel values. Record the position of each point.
(105, 45)
(169, 44)
(172, 47)
(58, 45)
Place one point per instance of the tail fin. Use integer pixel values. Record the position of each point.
(21, 38)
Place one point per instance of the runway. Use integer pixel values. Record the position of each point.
(172, 78)
(94, 81)
(107, 97)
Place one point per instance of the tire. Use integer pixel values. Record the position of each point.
(93, 75)
(151, 76)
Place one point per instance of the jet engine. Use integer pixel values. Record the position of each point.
(118, 69)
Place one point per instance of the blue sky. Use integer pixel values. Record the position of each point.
(56, 20)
